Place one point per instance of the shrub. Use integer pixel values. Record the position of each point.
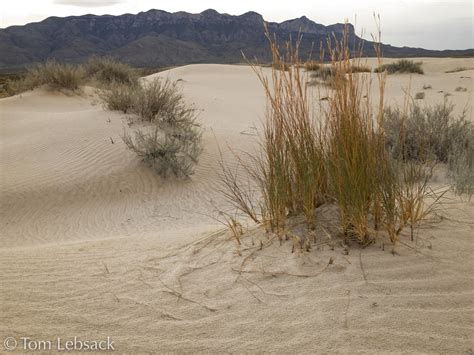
(108, 71)
(428, 133)
(427, 87)
(419, 96)
(149, 100)
(461, 165)
(158, 96)
(461, 156)
(9, 83)
(120, 97)
(460, 89)
(433, 134)
(401, 66)
(54, 75)
(360, 69)
(167, 138)
(170, 147)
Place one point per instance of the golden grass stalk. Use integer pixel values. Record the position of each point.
(292, 163)
(354, 142)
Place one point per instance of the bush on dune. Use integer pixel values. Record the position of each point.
(429, 133)
(157, 97)
(461, 166)
(172, 150)
(401, 66)
(169, 139)
(108, 71)
(166, 136)
(120, 97)
(58, 76)
(433, 134)
(53, 75)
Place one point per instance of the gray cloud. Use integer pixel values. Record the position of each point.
(89, 3)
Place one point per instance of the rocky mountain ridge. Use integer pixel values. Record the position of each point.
(157, 38)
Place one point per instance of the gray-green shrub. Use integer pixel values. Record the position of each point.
(425, 133)
(167, 136)
(157, 98)
(170, 145)
(433, 134)
(120, 97)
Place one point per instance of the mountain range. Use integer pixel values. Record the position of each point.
(158, 38)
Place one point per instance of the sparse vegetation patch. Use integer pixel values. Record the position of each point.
(108, 71)
(401, 66)
(165, 135)
(458, 69)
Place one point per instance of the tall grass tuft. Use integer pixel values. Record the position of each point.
(352, 153)
(354, 144)
(291, 168)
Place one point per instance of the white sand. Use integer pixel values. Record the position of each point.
(94, 245)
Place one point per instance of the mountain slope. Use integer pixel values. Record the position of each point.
(160, 38)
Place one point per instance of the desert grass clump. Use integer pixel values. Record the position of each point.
(427, 87)
(10, 84)
(55, 76)
(338, 156)
(289, 170)
(419, 96)
(120, 97)
(401, 66)
(361, 68)
(157, 97)
(108, 71)
(354, 144)
(460, 89)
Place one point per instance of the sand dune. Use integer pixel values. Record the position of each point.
(93, 244)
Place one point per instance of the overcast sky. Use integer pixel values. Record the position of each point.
(432, 24)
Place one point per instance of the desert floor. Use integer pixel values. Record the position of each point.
(93, 244)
